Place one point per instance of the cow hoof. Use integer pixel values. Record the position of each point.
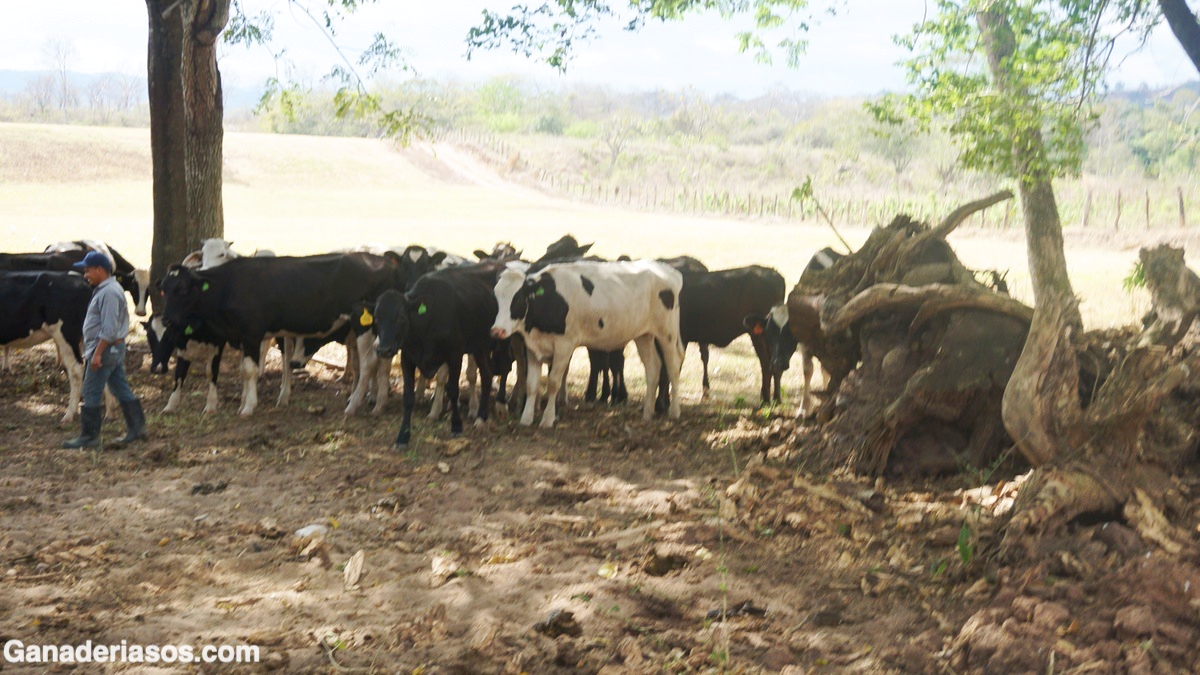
(400, 447)
(480, 423)
(547, 424)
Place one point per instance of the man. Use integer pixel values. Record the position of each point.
(104, 332)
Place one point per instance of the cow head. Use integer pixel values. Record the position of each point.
(216, 252)
(566, 248)
(511, 305)
(501, 252)
(137, 283)
(184, 293)
(414, 263)
(544, 308)
(160, 356)
(390, 319)
(780, 341)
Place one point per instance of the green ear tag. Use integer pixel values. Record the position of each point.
(422, 309)
(540, 292)
(366, 319)
(204, 287)
(187, 331)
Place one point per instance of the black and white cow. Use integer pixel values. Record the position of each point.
(61, 256)
(193, 341)
(796, 325)
(248, 299)
(717, 307)
(445, 316)
(40, 306)
(601, 305)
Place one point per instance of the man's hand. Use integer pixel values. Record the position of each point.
(96, 360)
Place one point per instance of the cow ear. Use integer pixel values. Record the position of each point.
(392, 257)
(480, 254)
(584, 249)
(438, 257)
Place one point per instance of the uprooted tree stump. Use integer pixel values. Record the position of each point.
(934, 371)
(919, 351)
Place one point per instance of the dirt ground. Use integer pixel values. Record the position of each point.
(606, 545)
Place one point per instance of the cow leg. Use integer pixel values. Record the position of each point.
(367, 363)
(617, 362)
(485, 393)
(606, 376)
(382, 374)
(672, 353)
(645, 349)
(763, 351)
(662, 400)
(409, 370)
(473, 374)
(353, 371)
(285, 367)
(439, 392)
(521, 359)
(556, 382)
(533, 376)
(594, 368)
(706, 388)
(214, 370)
(562, 393)
(73, 366)
(111, 406)
(453, 372)
(181, 370)
(806, 359)
(251, 358)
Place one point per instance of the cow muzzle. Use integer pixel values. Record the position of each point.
(499, 333)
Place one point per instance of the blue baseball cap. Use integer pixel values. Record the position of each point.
(94, 259)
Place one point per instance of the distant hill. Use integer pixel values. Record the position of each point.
(13, 82)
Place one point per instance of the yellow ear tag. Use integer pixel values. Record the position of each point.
(366, 319)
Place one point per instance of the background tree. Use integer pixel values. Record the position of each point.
(59, 55)
(187, 108)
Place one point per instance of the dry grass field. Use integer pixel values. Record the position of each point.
(644, 531)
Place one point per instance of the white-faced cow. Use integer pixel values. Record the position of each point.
(444, 316)
(40, 306)
(248, 299)
(796, 325)
(601, 305)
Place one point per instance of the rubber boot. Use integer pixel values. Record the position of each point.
(90, 419)
(135, 422)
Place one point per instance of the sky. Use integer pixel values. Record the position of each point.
(848, 55)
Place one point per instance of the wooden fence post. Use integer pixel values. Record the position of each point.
(1087, 208)
(1147, 208)
(1117, 222)
(1182, 220)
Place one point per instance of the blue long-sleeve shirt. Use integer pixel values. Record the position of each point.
(107, 317)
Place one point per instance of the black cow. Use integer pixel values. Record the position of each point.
(247, 299)
(40, 306)
(60, 258)
(717, 307)
(443, 317)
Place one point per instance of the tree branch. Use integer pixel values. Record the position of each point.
(1185, 27)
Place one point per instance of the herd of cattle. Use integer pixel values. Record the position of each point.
(431, 308)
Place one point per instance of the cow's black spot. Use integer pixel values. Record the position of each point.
(519, 305)
(668, 298)
(602, 323)
(587, 285)
(547, 309)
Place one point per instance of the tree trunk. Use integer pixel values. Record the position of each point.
(186, 126)
(168, 140)
(205, 130)
(1041, 403)
(1183, 24)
